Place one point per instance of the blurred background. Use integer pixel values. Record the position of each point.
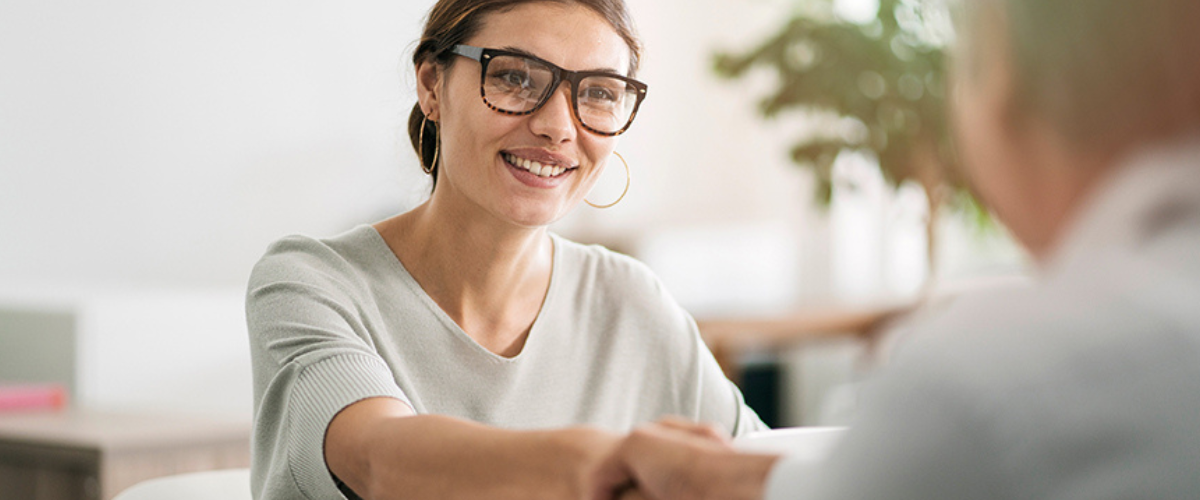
(150, 151)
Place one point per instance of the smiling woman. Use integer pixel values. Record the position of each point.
(460, 350)
(475, 114)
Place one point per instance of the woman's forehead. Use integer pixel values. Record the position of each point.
(569, 35)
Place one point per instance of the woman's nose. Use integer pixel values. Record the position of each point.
(554, 120)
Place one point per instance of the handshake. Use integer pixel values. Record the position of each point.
(674, 459)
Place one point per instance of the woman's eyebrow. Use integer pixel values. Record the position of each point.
(527, 53)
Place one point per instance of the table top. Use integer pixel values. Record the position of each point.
(113, 431)
(801, 324)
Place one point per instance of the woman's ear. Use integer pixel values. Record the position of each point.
(429, 89)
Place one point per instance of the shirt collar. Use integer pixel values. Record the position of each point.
(1152, 190)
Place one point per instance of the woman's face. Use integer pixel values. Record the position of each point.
(483, 151)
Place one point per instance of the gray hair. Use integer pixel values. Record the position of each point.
(1107, 73)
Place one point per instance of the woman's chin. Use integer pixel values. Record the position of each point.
(535, 216)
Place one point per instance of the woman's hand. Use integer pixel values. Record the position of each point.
(698, 429)
(678, 460)
(631, 494)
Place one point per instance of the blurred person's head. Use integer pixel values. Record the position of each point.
(1051, 94)
(454, 22)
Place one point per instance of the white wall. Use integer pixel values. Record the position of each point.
(158, 350)
(166, 143)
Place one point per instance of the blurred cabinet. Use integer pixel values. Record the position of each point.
(173, 350)
(82, 455)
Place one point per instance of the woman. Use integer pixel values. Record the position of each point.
(459, 350)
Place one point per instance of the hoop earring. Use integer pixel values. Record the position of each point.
(421, 147)
(627, 179)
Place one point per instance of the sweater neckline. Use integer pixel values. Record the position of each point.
(398, 269)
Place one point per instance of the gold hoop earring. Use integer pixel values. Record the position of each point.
(421, 147)
(627, 180)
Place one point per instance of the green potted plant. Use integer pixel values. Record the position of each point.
(879, 87)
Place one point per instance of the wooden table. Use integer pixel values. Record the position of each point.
(728, 337)
(87, 455)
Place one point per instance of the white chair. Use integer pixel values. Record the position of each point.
(231, 484)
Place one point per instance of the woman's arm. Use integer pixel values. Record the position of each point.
(382, 450)
(326, 401)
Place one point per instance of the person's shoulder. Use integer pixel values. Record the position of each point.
(597, 277)
(620, 301)
(981, 321)
(1029, 338)
(1040, 360)
(990, 356)
(307, 259)
(595, 260)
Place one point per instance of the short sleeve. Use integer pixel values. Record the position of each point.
(312, 357)
(716, 398)
(720, 400)
(655, 335)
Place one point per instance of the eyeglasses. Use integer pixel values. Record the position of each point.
(519, 84)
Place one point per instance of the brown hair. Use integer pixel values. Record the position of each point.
(451, 22)
(1103, 73)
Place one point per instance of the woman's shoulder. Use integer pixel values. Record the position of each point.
(302, 258)
(601, 268)
(592, 256)
(620, 296)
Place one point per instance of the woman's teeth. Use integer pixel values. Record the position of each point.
(534, 167)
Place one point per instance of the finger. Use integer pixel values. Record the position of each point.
(661, 460)
(632, 494)
(702, 430)
(624, 490)
(611, 477)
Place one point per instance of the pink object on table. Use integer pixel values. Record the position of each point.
(32, 397)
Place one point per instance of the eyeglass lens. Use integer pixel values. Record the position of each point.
(517, 84)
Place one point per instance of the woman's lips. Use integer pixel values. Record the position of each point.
(534, 173)
(535, 167)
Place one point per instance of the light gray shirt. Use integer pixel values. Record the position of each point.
(1085, 386)
(338, 320)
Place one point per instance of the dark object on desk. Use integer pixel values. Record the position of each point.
(761, 385)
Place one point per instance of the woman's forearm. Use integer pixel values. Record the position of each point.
(381, 451)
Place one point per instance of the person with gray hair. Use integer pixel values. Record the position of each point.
(1079, 125)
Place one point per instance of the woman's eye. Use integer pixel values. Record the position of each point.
(599, 94)
(515, 79)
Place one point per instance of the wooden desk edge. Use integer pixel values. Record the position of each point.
(727, 337)
(799, 326)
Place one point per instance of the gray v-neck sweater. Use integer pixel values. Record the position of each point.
(334, 321)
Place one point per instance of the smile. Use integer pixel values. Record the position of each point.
(534, 167)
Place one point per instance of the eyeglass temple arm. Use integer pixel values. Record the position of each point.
(475, 53)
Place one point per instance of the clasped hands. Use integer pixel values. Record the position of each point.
(674, 459)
